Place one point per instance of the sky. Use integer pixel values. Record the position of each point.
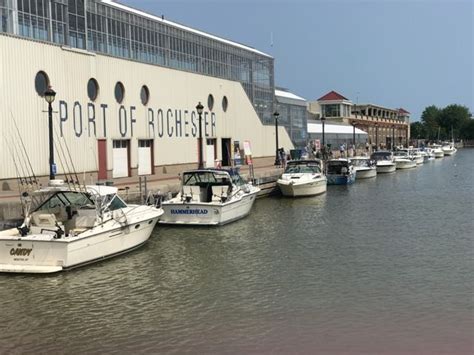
(393, 53)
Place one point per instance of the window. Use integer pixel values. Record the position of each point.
(225, 103)
(92, 89)
(119, 92)
(41, 82)
(144, 95)
(210, 102)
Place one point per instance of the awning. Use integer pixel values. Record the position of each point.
(333, 128)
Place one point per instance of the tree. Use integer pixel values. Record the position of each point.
(452, 118)
(430, 118)
(417, 130)
(467, 130)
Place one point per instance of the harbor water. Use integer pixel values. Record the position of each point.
(384, 266)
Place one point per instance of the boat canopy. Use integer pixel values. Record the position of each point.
(338, 166)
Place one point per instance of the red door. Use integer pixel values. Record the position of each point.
(102, 151)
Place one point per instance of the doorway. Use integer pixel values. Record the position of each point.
(226, 152)
(102, 152)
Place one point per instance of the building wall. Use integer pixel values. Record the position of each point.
(80, 122)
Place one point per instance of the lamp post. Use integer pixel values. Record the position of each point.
(376, 136)
(354, 134)
(199, 109)
(277, 156)
(49, 96)
(393, 137)
(323, 119)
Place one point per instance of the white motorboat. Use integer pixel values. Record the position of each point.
(449, 149)
(417, 155)
(404, 160)
(428, 154)
(303, 178)
(340, 172)
(438, 151)
(364, 167)
(210, 197)
(384, 162)
(74, 226)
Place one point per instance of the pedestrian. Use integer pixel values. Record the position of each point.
(342, 149)
(367, 147)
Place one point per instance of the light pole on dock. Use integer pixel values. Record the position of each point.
(199, 109)
(393, 137)
(353, 134)
(277, 156)
(323, 119)
(49, 96)
(376, 136)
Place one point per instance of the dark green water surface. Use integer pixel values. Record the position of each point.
(381, 267)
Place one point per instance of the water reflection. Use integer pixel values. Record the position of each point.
(382, 266)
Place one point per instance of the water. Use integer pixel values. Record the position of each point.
(380, 267)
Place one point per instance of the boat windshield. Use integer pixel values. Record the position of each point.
(360, 162)
(311, 168)
(66, 198)
(381, 156)
(337, 167)
(201, 178)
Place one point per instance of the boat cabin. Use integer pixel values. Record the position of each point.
(70, 212)
(338, 167)
(382, 155)
(303, 167)
(213, 185)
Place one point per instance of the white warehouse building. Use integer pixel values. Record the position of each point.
(127, 86)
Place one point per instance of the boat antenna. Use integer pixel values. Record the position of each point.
(72, 164)
(17, 171)
(24, 149)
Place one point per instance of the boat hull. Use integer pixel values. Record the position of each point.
(207, 213)
(309, 188)
(366, 173)
(405, 164)
(439, 154)
(386, 169)
(341, 179)
(45, 254)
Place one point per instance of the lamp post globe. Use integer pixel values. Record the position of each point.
(49, 96)
(199, 108)
(277, 155)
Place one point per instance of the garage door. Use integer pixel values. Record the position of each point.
(145, 157)
(120, 158)
(210, 153)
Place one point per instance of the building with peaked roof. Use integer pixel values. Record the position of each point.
(386, 127)
(127, 85)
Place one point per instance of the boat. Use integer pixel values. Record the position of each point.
(417, 155)
(384, 162)
(449, 149)
(428, 154)
(364, 167)
(303, 178)
(72, 226)
(404, 160)
(210, 197)
(340, 172)
(437, 151)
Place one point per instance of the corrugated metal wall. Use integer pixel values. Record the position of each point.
(69, 71)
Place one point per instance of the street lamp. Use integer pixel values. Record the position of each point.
(393, 137)
(277, 156)
(199, 109)
(354, 134)
(323, 119)
(376, 136)
(49, 96)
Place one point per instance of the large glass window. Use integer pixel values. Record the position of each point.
(103, 28)
(332, 110)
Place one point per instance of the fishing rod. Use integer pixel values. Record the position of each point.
(24, 148)
(72, 164)
(17, 171)
(64, 164)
